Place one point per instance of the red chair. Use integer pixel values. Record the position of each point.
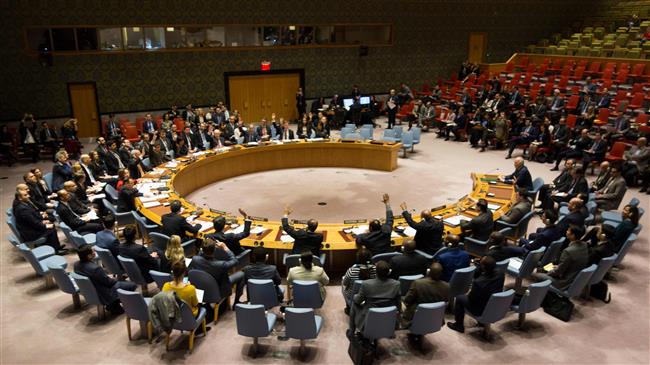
(578, 74)
(180, 124)
(557, 65)
(637, 101)
(621, 77)
(573, 103)
(642, 119)
(603, 117)
(564, 81)
(637, 70)
(404, 112)
(594, 69)
(644, 130)
(510, 66)
(617, 151)
(139, 121)
(124, 122)
(571, 121)
(523, 63)
(131, 133)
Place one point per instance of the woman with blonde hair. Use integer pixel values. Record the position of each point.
(173, 253)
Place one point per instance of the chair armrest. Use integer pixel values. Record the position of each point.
(424, 254)
(474, 241)
(506, 224)
(37, 242)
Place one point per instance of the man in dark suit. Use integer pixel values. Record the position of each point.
(148, 126)
(82, 224)
(519, 210)
(428, 231)
(61, 171)
(305, 239)
(429, 289)
(392, 106)
(259, 269)
(610, 196)
(137, 169)
(286, 133)
(577, 186)
(36, 194)
(230, 239)
(166, 146)
(146, 261)
(175, 224)
(379, 292)
(521, 176)
(605, 100)
(106, 286)
(203, 138)
(453, 258)
(112, 159)
(106, 238)
(126, 197)
(560, 183)
(113, 129)
(190, 141)
(218, 269)
(575, 216)
(575, 150)
(217, 140)
(156, 156)
(596, 152)
(31, 223)
(602, 178)
(408, 263)
(573, 259)
(499, 249)
(489, 282)
(48, 137)
(480, 226)
(543, 237)
(378, 239)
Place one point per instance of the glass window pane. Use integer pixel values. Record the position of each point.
(173, 38)
(288, 34)
(87, 39)
(367, 34)
(240, 36)
(110, 39)
(306, 35)
(133, 37)
(38, 39)
(215, 37)
(154, 38)
(324, 34)
(63, 39)
(193, 37)
(271, 36)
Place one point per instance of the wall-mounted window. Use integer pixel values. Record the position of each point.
(154, 38)
(87, 39)
(110, 39)
(133, 38)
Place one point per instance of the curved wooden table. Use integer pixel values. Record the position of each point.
(194, 173)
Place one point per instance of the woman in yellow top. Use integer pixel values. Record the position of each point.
(185, 291)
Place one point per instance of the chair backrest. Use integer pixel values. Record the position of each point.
(461, 280)
(405, 282)
(439, 252)
(534, 296)
(160, 278)
(634, 201)
(188, 322)
(502, 266)
(134, 305)
(300, 323)
(407, 139)
(63, 281)
(13, 240)
(132, 270)
(625, 248)
(398, 131)
(522, 225)
(497, 307)
(530, 262)
(77, 239)
(146, 162)
(384, 256)
(537, 184)
(66, 231)
(417, 132)
(9, 211)
(109, 205)
(251, 320)
(262, 292)
(389, 133)
(11, 222)
(111, 192)
(604, 265)
(294, 260)
(552, 251)
(366, 133)
(87, 289)
(29, 256)
(159, 240)
(580, 281)
(306, 294)
(48, 180)
(380, 323)
(108, 261)
(428, 318)
(207, 283)
(142, 224)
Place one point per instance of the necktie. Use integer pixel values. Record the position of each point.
(119, 161)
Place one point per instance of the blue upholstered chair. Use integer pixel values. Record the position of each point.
(496, 309)
(531, 301)
(253, 321)
(302, 324)
(306, 294)
(136, 307)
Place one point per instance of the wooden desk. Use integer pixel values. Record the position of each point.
(340, 246)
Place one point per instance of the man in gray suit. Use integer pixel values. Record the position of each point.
(379, 292)
(609, 197)
(519, 210)
(429, 289)
(573, 259)
(637, 159)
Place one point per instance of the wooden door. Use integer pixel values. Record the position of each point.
(83, 104)
(258, 96)
(477, 47)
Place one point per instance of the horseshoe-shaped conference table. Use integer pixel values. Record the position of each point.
(187, 174)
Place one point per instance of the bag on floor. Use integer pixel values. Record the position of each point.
(558, 306)
(600, 291)
(360, 351)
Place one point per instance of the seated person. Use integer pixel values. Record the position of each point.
(489, 282)
(603, 247)
(480, 226)
(610, 196)
(259, 269)
(428, 231)
(81, 223)
(616, 235)
(453, 258)
(498, 247)
(561, 183)
(519, 210)
(575, 216)
(380, 292)
(307, 271)
(106, 237)
(305, 239)
(184, 291)
(32, 224)
(173, 253)
(173, 223)
(207, 261)
(230, 239)
(521, 176)
(363, 269)
(146, 261)
(106, 286)
(377, 240)
(408, 263)
(543, 236)
(573, 259)
(429, 289)
(126, 197)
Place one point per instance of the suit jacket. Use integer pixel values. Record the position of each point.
(175, 224)
(428, 235)
(563, 180)
(304, 239)
(481, 226)
(142, 258)
(289, 132)
(408, 264)
(259, 270)
(102, 282)
(149, 126)
(500, 253)
(425, 290)
(573, 259)
(37, 196)
(68, 216)
(378, 241)
(106, 239)
(29, 221)
(134, 170)
(374, 293)
(573, 218)
(613, 193)
(601, 179)
(61, 172)
(543, 238)
(232, 239)
(641, 156)
(524, 180)
(156, 158)
(452, 260)
(482, 289)
(604, 101)
(218, 269)
(165, 147)
(77, 205)
(113, 129)
(578, 186)
(112, 161)
(517, 212)
(126, 199)
(43, 135)
(561, 134)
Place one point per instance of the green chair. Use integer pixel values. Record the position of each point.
(588, 30)
(634, 53)
(576, 36)
(583, 51)
(619, 52)
(609, 45)
(622, 39)
(550, 50)
(561, 51)
(596, 43)
(556, 37)
(595, 52)
(599, 33)
(563, 43)
(610, 37)
(634, 44)
(585, 39)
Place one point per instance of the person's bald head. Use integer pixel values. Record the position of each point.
(70, 186)
(435, 271)
(519, 161)
(64, 196)
(409, 246)
(426, 215)
(85, 159)
(604, 165)
(642, 142)
(575, 204)
(453, 240)
(312, 224)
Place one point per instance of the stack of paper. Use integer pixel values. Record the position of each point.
(151, 204)
(204, 225)
(92, 215)
(285, 238)
(409, 231)
(237, 230)
(257, 230)
(493, 207)
(455, 220)
(171, 164)
(514, 264)
(360, 230)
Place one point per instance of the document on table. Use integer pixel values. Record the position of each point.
(360, 230)
(514, 264)
(394, 234)
(187, 263)
(409, 231)
(151, 204)
(92, 197)
(285, 238)
(493, 207)
(205, 225)
(257, 230)
(237, 230)
(455, 220)
(145, 199)
(92, 215)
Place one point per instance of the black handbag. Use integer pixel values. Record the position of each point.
(600, 291)
(558, 306)
(361, 351)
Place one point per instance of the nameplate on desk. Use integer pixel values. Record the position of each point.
(399, 216)
(349, 140)
(220, 212)
(438, 208)
(377, 142)
(262, 219)
(354, 221)
(299, 221)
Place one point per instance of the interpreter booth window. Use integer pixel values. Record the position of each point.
(110, 39)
